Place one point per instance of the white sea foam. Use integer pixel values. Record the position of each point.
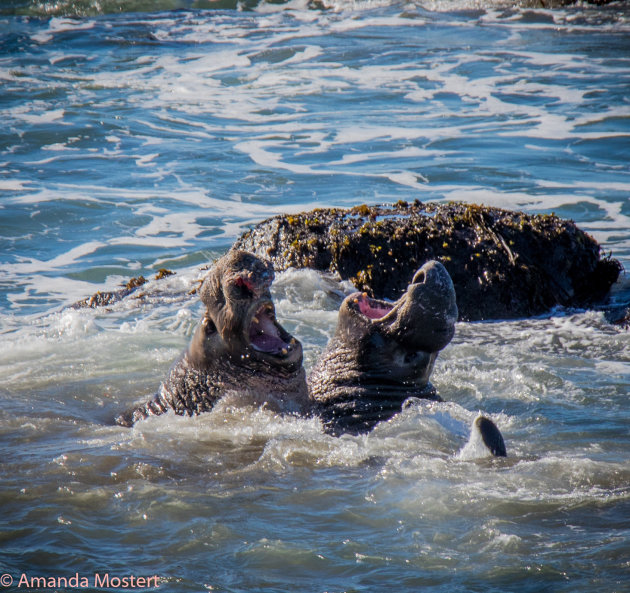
(59, 25)
(14, 185)
(32, 265)
(189, 84)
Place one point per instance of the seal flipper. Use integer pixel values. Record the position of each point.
(490, 435)
(154, 407)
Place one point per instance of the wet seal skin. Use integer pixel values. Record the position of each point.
(491, 436)
(239, 347)
(383, 353)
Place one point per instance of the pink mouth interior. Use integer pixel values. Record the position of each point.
(264, 334)
(371, 309)
(246, 283)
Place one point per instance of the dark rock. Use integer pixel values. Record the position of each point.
(504, 264)
(104, 299)
(619, 316)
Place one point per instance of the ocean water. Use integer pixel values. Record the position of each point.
(139, 135)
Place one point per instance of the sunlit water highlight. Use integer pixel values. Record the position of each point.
(136, 141)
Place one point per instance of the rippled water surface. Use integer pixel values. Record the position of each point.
(132, 141)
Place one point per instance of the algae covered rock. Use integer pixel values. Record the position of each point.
(104, 299)
(504, 264)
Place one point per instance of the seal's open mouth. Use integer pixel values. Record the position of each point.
(267, 335)
(371, 308)
(422, 319)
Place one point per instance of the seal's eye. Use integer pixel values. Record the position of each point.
(210, 327)
(244, 289)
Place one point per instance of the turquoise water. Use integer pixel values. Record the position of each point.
(133, 141)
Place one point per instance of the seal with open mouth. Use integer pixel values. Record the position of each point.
(239, 346)
(383, 353)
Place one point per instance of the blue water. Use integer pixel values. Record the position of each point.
(132, 141)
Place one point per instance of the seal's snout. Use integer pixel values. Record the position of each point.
(432, 285)
(429, 310)
(434, 276)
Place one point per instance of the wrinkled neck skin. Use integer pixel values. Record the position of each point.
(378, 353)
(210, 369)
(383, 353)
(363, 363)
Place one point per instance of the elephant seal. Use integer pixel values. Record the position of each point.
(239, 346)
(383, 353)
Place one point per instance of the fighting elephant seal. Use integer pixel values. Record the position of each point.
(238, 347)
(383, 353)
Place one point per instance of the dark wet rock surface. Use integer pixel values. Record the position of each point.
(110, 297)
(504, 264)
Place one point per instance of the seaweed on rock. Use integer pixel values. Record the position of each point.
(504, 264)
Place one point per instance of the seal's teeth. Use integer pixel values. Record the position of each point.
(293, 342)
(365, 295)
(355, 300)
(285, 351)
(255, 319)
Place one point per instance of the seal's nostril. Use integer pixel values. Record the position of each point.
(420, 277)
